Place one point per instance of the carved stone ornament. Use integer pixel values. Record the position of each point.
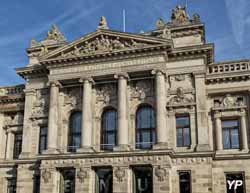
(160, 173)
(103, 44)
(229, 101)
(119, 174)
(72, 97)
(82, 175)
(106, 93)
(180, 98)
(46, 175)
(41, 105)
(179, 15)
(142, 89)
(55, 34)
(180, 77)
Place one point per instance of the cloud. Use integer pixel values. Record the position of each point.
(239, 18)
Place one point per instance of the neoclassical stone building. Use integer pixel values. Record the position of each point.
(126, 112)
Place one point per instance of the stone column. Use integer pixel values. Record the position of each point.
(243, 131)
(219, 145)
(201, 113)
(53, 118)
(161, 126)
(10, 145)
(86, 141)
(122, 112)
(30, 95)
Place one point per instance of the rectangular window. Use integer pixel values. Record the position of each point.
(143, 180)
(183, 131)
(185, 181)
(104, 180)
(235, 183)
(17, 145)
(230, 131)
(67, 181)
(11, 186)
(43, 139)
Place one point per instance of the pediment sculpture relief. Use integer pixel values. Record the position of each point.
(102, 44)
(181, 98)
(229, 101)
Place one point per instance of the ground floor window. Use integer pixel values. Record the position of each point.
(104, 180)
(143, 180)
(185, 181)
(67, 181)
(235, 183)
(11, 187)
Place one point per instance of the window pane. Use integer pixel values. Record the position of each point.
(226, 138)
(43, 139)
(235, 138)
(186, 137)
(109, 129)
(234, 177)
(185, 182)
(75, 128)
(182, 121)
(17, 145)
(145, 127)
(230, 123)
(179, 137)
(104, 180)
(143, 182)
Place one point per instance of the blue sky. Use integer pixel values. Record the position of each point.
(227, 24)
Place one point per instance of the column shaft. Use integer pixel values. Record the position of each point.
(122, 111)
(53, 118)
(161, 108)
(218, 128)
(244, 132)
(87, 114)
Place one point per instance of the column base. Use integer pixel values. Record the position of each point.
(203, 147)
(122, 148)
(24, 155)
(161, 145)
(85, 150)
(51, 151)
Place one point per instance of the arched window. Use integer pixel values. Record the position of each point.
(145, 127)
(109, 129)
(75, 126)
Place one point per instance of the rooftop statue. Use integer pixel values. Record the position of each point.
(179, 15)
(103, 24)
(55, 34)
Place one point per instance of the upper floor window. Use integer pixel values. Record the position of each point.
(183, 131)
(145, 127)
(17, 145)
(43, 139)
(75, 127)
(109, 129)
(230, 130)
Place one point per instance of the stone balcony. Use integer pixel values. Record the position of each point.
(228, 71)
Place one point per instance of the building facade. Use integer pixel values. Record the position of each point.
(127, 113)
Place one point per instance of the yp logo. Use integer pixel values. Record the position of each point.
(234, 184)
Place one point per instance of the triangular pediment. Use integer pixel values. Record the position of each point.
(104, 41)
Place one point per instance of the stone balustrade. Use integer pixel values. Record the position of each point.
(12, 90)
(228, 67)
